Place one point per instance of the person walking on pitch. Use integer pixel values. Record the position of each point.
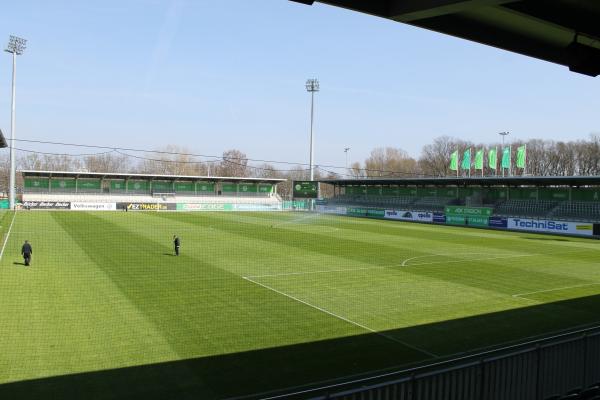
(26, 251)
(176, 243)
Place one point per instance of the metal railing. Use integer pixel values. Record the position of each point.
(534, 370)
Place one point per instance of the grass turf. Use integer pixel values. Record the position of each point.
(262, 301)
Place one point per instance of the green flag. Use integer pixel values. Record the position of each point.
(506, 158)
(521, 156)
(466, 162)
(479, 159)
(493, 158)
(454, 161)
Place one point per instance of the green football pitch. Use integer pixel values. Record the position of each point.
(263, 301)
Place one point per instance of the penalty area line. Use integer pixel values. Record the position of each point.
(342, 318)
(389, 267)
(404, 263)
(7, 235)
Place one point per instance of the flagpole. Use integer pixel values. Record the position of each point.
(509, 160)
(469, 163)
(524, 159)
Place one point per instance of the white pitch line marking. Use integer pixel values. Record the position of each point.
(385, 267)
(313, 272)
(7, 235)
(462, 260)
(554, 289)
(297, 220)
(341, 318)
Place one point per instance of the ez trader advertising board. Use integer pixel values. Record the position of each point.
(306, 189)
(551, 226)
(147, 206)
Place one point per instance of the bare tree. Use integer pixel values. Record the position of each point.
(390, 162)
(117, 163)
(31, 161)
(357, 171)
(4, 171)
(234, 164)
(435, 157)
(172, 160)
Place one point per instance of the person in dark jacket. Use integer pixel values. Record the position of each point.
(26, 251)
(176, 243)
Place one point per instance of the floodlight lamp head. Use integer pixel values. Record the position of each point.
(312, 85)
(16, 45)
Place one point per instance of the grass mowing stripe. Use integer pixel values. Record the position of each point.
(343, 318)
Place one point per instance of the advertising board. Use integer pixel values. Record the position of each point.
(551, 226)
(469, 211)
(331, 210)
(81, 206)
(365, 212)
(473, 220)
(204, 207)
(439, 218)
(226, 207)
(498, 222)
(452, 219)
(147, 206)
(306, 189)
(256, 207)
(419, 216)
(47, 205)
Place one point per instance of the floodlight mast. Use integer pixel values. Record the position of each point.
(16, 46)
(346, 150)
(312, 86)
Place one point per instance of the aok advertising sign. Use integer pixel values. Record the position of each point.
(473, 216)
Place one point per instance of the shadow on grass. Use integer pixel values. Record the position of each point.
(18, 263)
(258, 371)
(169, 254)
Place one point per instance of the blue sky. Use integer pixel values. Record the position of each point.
(216, 75)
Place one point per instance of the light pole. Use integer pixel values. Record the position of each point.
(312, 86)
(503, 134)
(346, 149)
(16, 45)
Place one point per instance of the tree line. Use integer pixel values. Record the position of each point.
(544, 158)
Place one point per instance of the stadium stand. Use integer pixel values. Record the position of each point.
(60, 186)
(433, 203)
(562, 198)
(577, 210)
(524, 208)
